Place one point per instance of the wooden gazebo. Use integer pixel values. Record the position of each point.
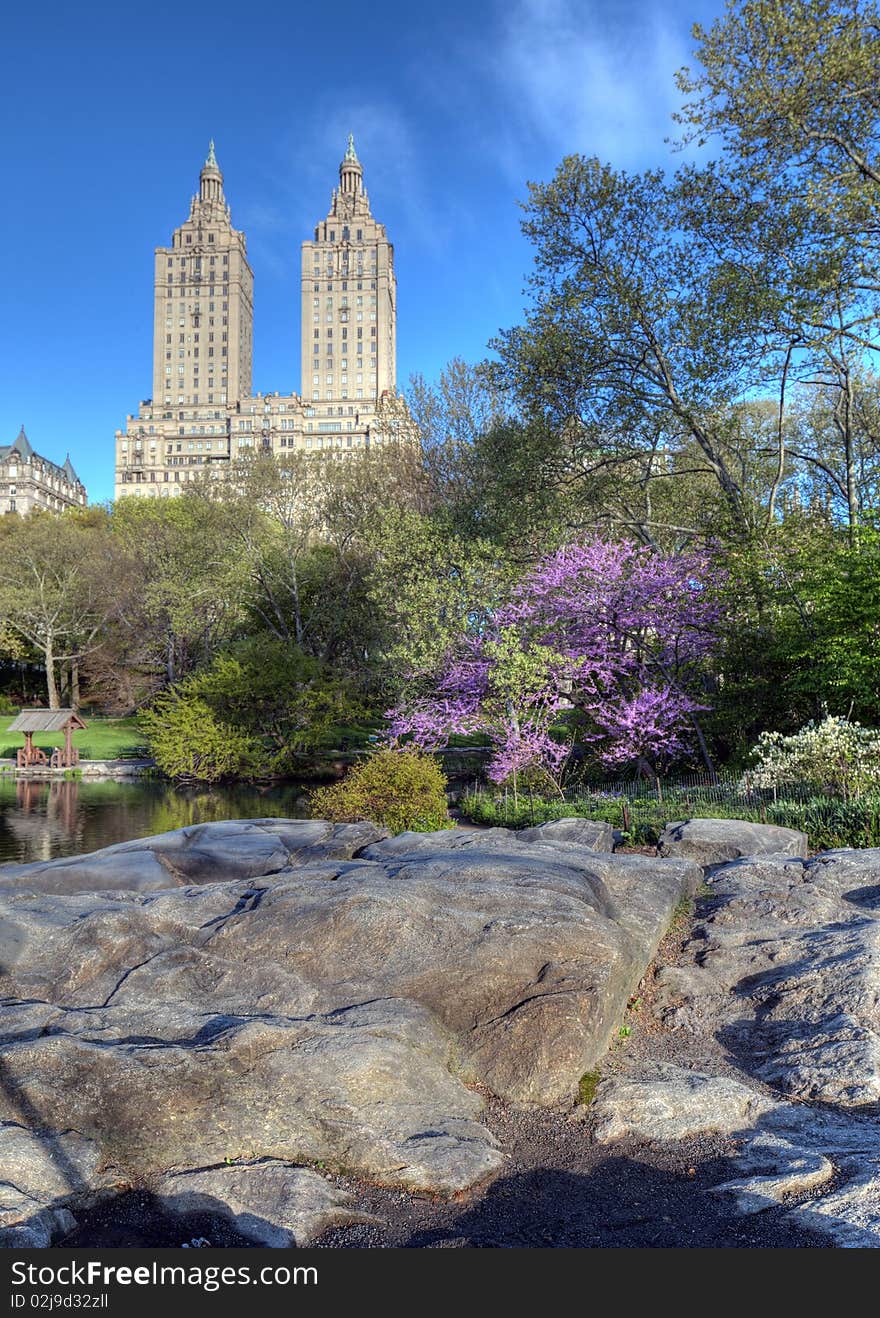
(30, 721)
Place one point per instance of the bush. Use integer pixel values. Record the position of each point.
(838, 758)
(188, 740)
(399, 790)
(254, 712)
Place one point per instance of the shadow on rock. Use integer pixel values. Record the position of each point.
(622, 1203)
(136, 1219)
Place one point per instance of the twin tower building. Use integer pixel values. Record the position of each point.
(203, 412)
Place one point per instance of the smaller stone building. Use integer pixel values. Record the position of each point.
(29, 481)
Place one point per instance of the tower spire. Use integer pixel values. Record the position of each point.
(351, 174)
(211, 178)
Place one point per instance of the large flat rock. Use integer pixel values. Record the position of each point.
(333, 1010)
(202, 853)
(270, 1202)
(715, 841)
(783, 971)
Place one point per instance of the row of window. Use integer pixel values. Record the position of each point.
(198, 260)
(344, 283)
(195, 312)
(343, 301)
(182, 398)
(343, 393)
(343, 379)
(343, 334)
(195, 278)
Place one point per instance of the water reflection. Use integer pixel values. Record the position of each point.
(41, 819)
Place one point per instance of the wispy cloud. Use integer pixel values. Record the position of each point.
(582, 76)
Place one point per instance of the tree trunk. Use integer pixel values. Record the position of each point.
(701, 742)
(51, 685)
(74, 684)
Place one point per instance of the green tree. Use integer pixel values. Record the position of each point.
(635, 329)
(60, 587)
(789, 95)
(252, 712)
(192, 582)
(427, 584)
(792, 89)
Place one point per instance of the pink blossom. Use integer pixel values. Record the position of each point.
(614, 630)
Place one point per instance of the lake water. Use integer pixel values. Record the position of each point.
(42, 820)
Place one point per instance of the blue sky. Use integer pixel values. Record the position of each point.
(107, 113)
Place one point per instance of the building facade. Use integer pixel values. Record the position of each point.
(202, 414)
(203, 305)
(31, 483)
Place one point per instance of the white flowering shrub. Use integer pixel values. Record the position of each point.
(838, 757)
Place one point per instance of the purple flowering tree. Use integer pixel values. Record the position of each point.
(610, 629)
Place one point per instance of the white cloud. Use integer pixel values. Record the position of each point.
(582, 77)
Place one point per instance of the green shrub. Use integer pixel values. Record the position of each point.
(399, 790)
(255, 712)
(188, 740)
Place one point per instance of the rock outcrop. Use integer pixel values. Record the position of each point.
(326, 995)
(715, 841)
(202, 853)
(784, 971)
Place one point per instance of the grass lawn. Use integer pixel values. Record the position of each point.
(103, 739)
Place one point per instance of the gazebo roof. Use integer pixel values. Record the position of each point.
(46, 720)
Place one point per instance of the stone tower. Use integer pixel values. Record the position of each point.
(349, 300)
(203, 305)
